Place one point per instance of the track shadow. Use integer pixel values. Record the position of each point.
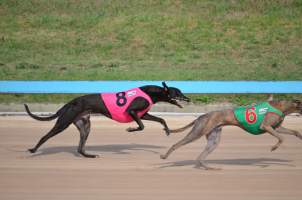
(112, 148)
(261, 162)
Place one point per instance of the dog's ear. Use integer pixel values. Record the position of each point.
(165, 86)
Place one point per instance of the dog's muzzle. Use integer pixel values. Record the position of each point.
(185, 99)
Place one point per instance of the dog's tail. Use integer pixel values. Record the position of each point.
(183, 128)
(202, 117)
(57, 114)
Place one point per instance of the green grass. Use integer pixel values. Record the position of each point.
(150, 40)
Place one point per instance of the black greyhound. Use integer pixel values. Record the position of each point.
(78, 111)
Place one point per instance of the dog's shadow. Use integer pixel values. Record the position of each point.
(98, 149)
(260, 162)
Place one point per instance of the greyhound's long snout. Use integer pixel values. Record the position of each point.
(184, 98)
(187, 99)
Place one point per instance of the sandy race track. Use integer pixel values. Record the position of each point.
(129, 166)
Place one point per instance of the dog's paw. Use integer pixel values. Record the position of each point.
(167, 131)
(87, 155)
(91, 156)
(274, 147)
(201, 165)
(213, 168)
(131, 129)
(299, 136)
(163, 157)
(32, 150)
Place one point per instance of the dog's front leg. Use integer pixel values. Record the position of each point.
(274, 133)
(283, 130)
(134, 116)
(149, 117)
(138, 104)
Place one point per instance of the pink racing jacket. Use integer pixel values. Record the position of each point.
(117, 104)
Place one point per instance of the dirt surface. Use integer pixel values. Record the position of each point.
(129, 166)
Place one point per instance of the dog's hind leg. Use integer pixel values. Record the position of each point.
(83, 125)
(213, 139)
(193, 135)
(62, 123)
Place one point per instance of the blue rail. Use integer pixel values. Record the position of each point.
(217, 87)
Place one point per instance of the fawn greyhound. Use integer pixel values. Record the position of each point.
(124, 107)
(265, 117)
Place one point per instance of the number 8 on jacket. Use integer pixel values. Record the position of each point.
(121, 99)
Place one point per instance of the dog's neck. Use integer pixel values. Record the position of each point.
(156, 93)
(284, 106)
